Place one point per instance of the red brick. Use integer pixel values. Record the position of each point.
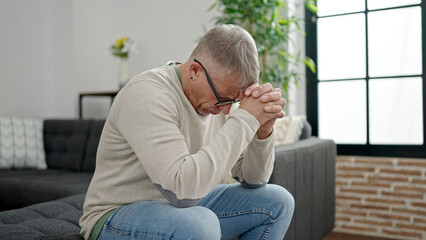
(356, 169)
(418, 204)
(418, 181)
(343, 219)
(390, 216)
(402, 195)
(410, 211)
(387, 179)
(412, 162)
(342, 197)
(357, 191)
(401, 171)
(374, 207)
(343, 159)
(371, 184)
(357, 228)
(370, 222)
(402, 233)
(420, 220)
(411, 226)
(342, 183)
(349, 175)
(384, 200)
(374, 161)
(352, 213)
(411, 188)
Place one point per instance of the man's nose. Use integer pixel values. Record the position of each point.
(225, 109)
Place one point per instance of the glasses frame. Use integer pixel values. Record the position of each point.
(220, 102)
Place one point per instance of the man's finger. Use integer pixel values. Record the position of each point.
(262, 89)
(273, 108)
(278, 90)
(271, 97)
(250, 89)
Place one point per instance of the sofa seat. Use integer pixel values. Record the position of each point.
(26, 187)
(49, 220)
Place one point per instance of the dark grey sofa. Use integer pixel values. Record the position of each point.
(70, 148)
(307, 170)
(50, 201)
(56, 219)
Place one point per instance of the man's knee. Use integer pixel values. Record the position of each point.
(281, 197)
(199, 223)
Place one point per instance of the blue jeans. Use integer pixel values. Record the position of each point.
(227, 212)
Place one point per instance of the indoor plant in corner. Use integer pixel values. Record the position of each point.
(271, 28)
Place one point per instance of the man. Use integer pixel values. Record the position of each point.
(170, 138)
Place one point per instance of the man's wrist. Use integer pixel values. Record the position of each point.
(262, 134)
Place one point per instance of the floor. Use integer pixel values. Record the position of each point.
(345, 236)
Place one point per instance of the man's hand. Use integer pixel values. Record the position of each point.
(274, 103)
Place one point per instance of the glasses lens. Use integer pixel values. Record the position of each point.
(226, 102)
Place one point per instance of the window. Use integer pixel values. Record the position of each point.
(368, 92)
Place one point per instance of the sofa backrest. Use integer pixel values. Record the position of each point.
(73, 144)
(306, 131)
(89, 159)
(65, 143)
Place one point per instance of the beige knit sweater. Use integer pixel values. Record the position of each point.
(155, 146)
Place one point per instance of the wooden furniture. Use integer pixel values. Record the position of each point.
(110, 94)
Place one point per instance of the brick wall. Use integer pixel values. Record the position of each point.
(383, 197)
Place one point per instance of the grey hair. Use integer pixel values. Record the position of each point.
(234, 49)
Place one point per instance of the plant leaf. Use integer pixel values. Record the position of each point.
(284, 22)
(213, 6)
(310, 64)
(311, 7)
(284, 54)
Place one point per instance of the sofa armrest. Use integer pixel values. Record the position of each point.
(307, 170)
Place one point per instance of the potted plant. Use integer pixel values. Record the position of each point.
(121, 48)
(272, 32)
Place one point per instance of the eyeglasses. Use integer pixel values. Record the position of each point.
(220, 102)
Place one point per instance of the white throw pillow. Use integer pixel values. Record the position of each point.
(21, 143)
(288, 129)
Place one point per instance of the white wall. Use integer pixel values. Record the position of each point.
(53, 49)
(26, 59)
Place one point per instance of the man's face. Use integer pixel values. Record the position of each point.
(207, 102)
(226, 90)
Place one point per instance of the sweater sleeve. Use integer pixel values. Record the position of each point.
(149, 121)
(255, 166)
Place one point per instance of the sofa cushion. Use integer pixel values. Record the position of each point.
(92, 145)
(65, 143)
(21, 143)
(21, 188)
(288, 129)
(49, 220)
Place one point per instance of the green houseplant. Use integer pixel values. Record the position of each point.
(264, 20)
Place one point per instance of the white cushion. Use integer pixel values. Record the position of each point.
(288, 129)
(21, 143)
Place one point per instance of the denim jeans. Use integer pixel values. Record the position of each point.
(227, 212)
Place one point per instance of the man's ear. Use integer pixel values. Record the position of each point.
(194, 70)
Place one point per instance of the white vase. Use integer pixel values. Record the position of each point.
(124, 72)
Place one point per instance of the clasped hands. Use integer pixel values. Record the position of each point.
(266, 104)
